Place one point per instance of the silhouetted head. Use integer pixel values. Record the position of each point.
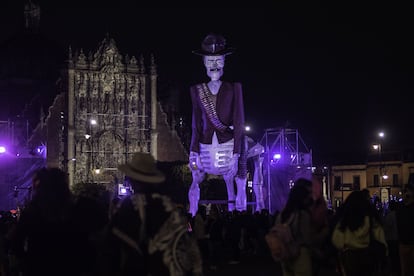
(142, 172)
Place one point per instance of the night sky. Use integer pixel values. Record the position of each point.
(338, 74)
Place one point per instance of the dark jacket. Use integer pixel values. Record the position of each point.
(148, 236)
(230, 111)
(405, 224)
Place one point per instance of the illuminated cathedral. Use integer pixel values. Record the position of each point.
(82, 112)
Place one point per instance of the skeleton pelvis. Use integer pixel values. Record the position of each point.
(217, 158)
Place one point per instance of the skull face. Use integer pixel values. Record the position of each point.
(214, 66)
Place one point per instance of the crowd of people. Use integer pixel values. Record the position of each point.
(58, 233)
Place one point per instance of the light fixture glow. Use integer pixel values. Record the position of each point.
(277, 156)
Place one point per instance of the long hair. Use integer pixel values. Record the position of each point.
(52, 195)
(355, 208)
(300, 198)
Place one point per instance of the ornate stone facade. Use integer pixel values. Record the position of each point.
(107, 109)
(108, 114)
(52, 108)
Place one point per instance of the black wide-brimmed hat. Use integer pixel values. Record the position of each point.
(142, 168)
(214, 45)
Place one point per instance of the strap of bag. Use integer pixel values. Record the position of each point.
(371, 229)
(293, 224)
(139, 203)
(210, 107)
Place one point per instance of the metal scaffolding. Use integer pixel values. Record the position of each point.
(287, 158)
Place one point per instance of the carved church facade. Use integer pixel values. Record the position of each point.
(106, 110)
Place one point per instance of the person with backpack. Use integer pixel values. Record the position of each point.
(297, 214)
(359, 223)
(148, 234)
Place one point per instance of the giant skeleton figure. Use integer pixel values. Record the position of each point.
(218, 143)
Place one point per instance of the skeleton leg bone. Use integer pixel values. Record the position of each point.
(258, 183)
(229, 179)
(241, 198)
(194, 192)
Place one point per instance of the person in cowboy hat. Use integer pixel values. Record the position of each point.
(217, 126)
(142, 172)
(148, 234)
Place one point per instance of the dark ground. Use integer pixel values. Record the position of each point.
(249, 265)
(256, 266)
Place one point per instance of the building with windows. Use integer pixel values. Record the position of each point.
(383, 177)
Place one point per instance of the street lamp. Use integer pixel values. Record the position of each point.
(384, 175)
(377, 147)
(382, 171)
(90, 137)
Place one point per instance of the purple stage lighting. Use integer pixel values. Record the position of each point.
(277, 156)
(123, 190)
(41, 151)
(2, 149)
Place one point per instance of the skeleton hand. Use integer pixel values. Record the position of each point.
(194, 161)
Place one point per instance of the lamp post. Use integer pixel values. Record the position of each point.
(90, 138)
(377, 147)
(382, 172)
